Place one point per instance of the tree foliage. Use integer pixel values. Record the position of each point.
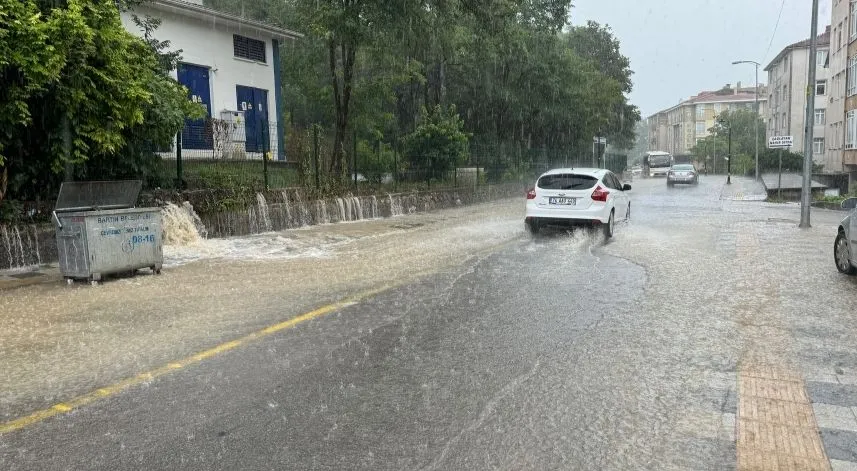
(515, 71)
(438, 144)
(80, 89)
(742, 122)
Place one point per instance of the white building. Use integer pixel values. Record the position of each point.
(230, 64)
(787, 76)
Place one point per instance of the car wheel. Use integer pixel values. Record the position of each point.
(608, 228)
(533, 226)
(842, 255)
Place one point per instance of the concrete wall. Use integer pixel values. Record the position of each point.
(28, 245)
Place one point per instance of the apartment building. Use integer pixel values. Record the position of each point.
(787, 75)
(677, 129)
(834, 134)
(844, 66)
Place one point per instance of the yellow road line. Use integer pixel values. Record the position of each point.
(116, 388)
(141, 378)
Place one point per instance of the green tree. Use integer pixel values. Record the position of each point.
(741, 122)
(438, 144)
(110, 101)
(519, 77)
(597, 44)
(29, 62)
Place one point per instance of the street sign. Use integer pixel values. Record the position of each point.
(780, 142)
(599, 140)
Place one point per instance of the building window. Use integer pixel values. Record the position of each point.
(700, 128)
(851, 130)
(700, 111)
(853, 19)
(717, 108)
(819, 116)
(821, 58)
(818, 145)
(785, 93)
(851, 81)
(821, 87)
(247, 48)
(785, 122)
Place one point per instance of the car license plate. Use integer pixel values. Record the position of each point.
(562, 201)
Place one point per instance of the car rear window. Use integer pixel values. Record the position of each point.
(566, 181)
(683, 167)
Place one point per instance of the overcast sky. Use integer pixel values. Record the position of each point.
(680, 47)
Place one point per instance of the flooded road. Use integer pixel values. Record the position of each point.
(479, 347)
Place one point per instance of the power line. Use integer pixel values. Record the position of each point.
(783, 4)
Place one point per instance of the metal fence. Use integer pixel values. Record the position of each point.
(220, 154)
(219, 139)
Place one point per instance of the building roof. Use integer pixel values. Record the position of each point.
(182, 7)
(714, 97)
(717, 96)
(823, 40)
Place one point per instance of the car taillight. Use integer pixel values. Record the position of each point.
(531, 195)
(600, 194)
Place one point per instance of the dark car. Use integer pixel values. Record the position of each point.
(682, 173)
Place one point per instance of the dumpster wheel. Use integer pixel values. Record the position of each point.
(156, 269)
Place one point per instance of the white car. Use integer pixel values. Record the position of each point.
(578, 196)
(844, 245)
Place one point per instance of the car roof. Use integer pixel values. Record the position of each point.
(593, 172)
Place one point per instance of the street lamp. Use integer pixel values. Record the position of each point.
(728, 125)
(756, 125)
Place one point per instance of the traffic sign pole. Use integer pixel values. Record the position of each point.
(781, 143)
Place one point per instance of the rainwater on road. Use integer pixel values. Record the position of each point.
(487, 349)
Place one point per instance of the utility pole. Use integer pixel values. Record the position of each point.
(806, 193)
(756, 123)
(729, 162)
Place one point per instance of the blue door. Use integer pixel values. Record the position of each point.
(254, 103)
(196, 134)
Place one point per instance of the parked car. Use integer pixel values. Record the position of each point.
(843, 252)
(682, 173)
(578, 197)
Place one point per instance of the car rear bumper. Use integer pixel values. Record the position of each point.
(596, 213)
(658, 172)
(681, 179)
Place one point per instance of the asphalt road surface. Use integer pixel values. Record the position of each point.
(554, 352)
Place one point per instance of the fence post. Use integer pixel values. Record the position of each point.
(354, 157)
(266, 145)
(476, 158)
(315, 154)
(395, 164)
(179, 169)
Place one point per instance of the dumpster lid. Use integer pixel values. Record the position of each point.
(87, 196)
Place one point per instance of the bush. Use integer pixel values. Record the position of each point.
(438, 144)
(374, 163)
